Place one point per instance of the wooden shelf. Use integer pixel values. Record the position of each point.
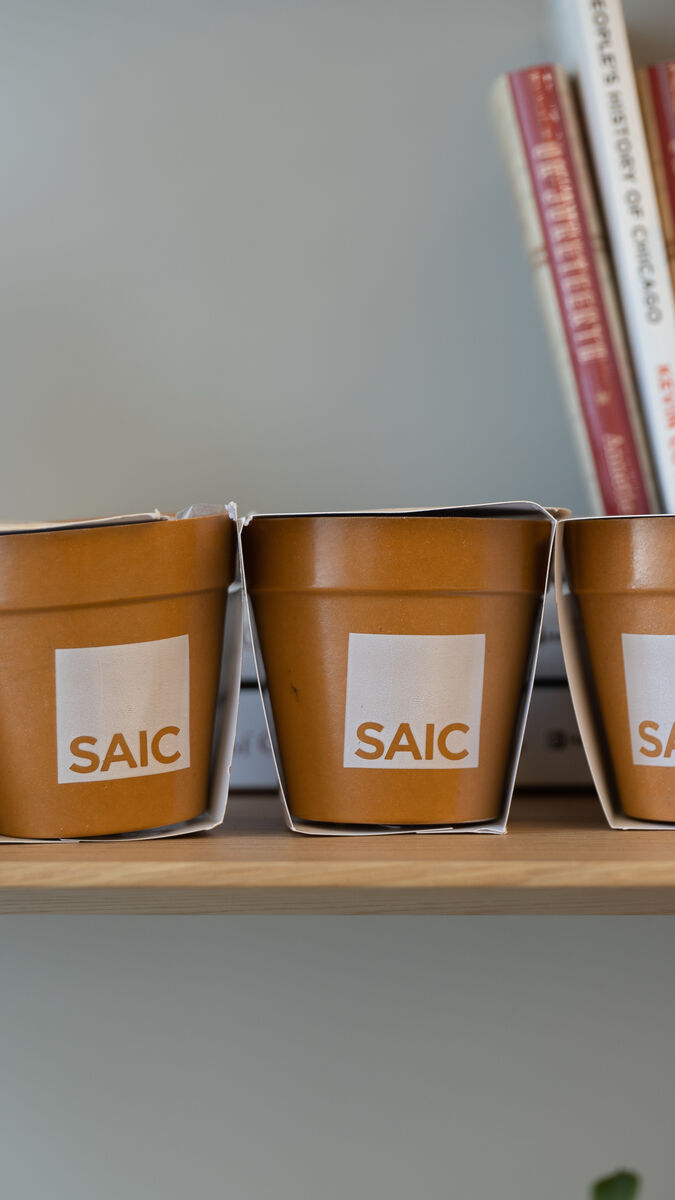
(558, 857)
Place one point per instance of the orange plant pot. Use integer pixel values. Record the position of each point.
(621, 572)
(396, 650)
(110, 645)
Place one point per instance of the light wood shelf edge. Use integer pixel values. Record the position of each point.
(558, 857)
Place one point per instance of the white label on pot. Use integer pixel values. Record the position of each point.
(649, 666)
(413, 701)
(123, 711)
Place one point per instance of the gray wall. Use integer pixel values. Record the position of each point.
(465, 1058)
(265, 250)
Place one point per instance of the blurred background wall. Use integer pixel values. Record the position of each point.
(265, 249)
(383, 1058)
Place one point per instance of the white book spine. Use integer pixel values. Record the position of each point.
(619, 147)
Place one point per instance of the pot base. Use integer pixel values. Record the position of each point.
(652, 809)
(417, 827)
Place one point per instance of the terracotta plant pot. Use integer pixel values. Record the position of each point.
(396, 650)
(110, 643)
(621, 572)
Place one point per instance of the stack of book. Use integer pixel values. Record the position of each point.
(253, 767)
(591, 156)
(553, 755)
(586, 178)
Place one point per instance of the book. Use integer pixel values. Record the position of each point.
(553, 754)
(539, 130)
(618, 144)
(657, 93)
(253, 763)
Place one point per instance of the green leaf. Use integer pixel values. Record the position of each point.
(622, 1186)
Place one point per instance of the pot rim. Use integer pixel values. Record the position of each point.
(391, 552)
(630, 555)
(115, 563)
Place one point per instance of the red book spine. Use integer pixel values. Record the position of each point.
(571, 249)
(658, 96)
